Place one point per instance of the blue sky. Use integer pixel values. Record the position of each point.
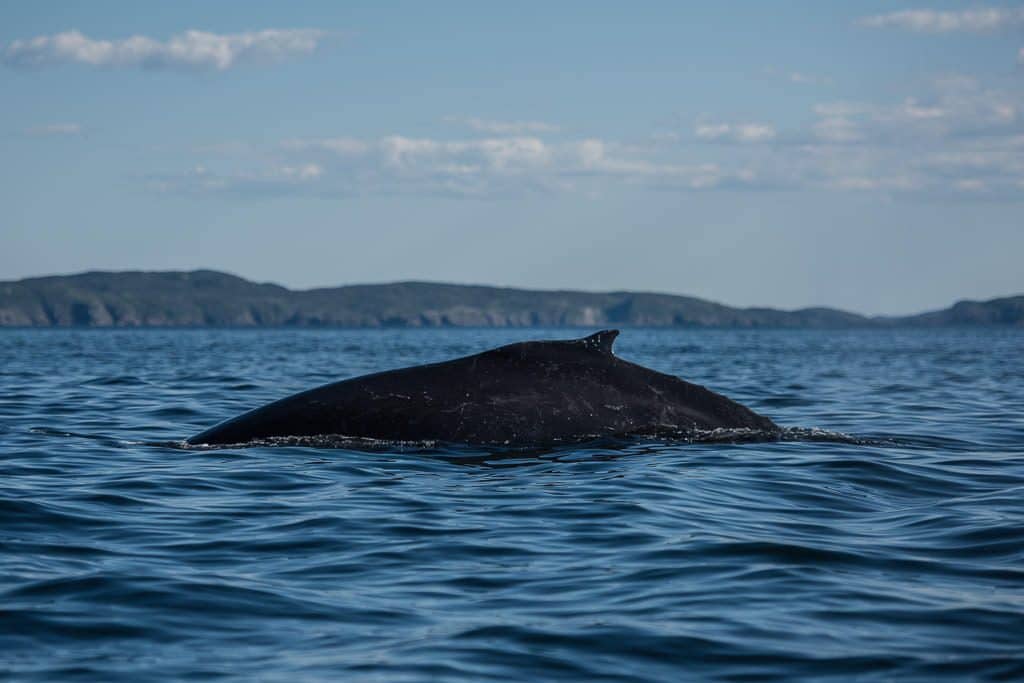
(862, 155)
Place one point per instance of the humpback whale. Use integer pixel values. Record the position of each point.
(524, 394)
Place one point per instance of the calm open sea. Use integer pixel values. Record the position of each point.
(897, 553)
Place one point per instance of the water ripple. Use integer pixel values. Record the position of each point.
(880, 536)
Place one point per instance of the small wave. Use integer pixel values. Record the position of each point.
(873, 540)
(101, 438)
(817, 434)
(115, 381)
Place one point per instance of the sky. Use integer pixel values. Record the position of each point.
(863, 155)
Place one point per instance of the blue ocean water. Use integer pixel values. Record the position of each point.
(895, 552)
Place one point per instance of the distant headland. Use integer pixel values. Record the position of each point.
(205, 298)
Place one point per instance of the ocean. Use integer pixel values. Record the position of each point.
(883, 540)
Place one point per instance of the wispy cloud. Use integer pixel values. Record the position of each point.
(279, 180)
(55, 129)
(735, 132)
(808, 79)
(975, 20)
(955, 138)
(191, 50)
(798, 77)
(958, 140)
(957, 107)
(491, 167)
(504, 127)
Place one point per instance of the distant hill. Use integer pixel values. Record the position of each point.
(1005, 311)
(205, 298)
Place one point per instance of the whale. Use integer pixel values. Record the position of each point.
(530, 393)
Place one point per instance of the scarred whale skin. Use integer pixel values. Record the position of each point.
(529, 393)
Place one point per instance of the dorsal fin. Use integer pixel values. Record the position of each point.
(601, 341)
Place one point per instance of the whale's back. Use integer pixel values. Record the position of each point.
(525, 393)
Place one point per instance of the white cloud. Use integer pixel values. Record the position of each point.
(976, 20)
(412, 155)
(735, 132)
(280, 180)
(341, 146)
(189, 50)
(303, 172)
(955, 138)
(837, 128)
(504, 127)
(597, 157)
(799, 77)
(971, 185)
(959, 141)
(809, 79)
(665, 137)
(995, 163)
(508, 158)
(899, 183)
(712, 131)
(956, 107)
(490, 167)
(56, 129)
(754, 132)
